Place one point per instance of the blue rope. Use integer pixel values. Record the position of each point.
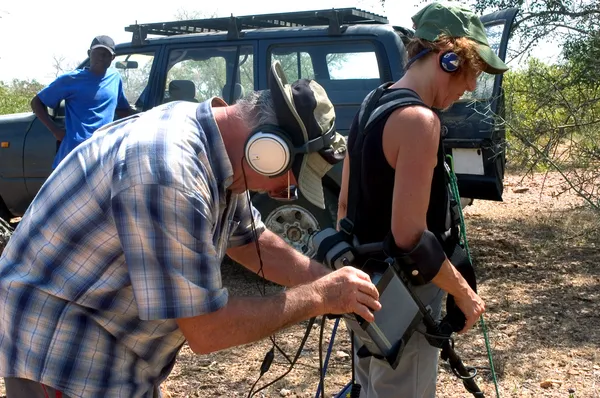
(335, 325)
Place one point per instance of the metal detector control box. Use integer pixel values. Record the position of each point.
(394, 323)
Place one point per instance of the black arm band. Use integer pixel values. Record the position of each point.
(422, 263)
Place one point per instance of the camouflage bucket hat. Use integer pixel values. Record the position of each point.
(306, 114)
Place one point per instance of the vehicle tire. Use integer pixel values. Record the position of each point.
(295, 222)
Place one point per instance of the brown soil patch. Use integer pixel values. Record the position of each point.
(537, 258)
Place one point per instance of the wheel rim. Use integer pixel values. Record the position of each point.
(295, 225)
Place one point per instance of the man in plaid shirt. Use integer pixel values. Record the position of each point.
(117, 261)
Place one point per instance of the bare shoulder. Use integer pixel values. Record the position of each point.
(414, 127)
(414, 119)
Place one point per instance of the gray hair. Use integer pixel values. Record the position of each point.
(256, 109)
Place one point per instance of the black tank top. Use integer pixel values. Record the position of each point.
(374, 210)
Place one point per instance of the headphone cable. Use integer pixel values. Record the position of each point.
(266, 364)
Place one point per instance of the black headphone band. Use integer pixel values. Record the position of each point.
(314, 145)
(419, 55)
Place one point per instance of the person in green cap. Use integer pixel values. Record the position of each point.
(402, 197)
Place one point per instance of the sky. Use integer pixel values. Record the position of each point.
(34, 33)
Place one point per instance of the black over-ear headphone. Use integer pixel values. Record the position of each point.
(449, 60)
(269, 150)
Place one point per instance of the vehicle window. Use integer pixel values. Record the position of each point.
(198, 74)
(485, 82)
(135, 73)
(246, 66)
(296, 64)
(347, 70)
(344, 65)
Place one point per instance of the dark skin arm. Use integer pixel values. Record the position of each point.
(41, 111)
(125, 112)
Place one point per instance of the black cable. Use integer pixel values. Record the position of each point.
(254, 385)
(354, 386)
(266, 364)
(287, 358)
(352, 353)
(269, 356)
(293, 363)
(321, 375)
(436, 337)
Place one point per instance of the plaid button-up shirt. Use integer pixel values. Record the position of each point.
(125, 236)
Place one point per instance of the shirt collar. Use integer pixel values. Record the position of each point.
(216, 148)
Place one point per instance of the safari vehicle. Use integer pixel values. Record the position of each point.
(348, 51)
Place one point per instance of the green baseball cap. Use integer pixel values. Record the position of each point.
(455, 21)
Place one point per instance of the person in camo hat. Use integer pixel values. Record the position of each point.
(403, 194)
(117, 262)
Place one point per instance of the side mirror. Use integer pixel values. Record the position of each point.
(126, 65)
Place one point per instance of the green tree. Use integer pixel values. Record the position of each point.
(552, 121)
(16, 96)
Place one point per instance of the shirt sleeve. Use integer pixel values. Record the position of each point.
(245, 232)
(122, 102)
(167, 238)
(55, 92)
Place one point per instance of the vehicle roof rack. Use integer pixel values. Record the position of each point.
(334, 17)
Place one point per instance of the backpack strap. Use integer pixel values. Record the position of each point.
(376, 106)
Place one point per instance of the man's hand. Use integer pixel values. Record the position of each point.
(472, 306)
(348, 290)
(59, 133)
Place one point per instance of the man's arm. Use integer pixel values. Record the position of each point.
(175, 273)
(282, 264)
(124, 109)
(125, 112)
(41, 111)
(414, 157)
(247, 319)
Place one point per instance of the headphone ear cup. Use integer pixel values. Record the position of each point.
(268, 152)
(449, 62)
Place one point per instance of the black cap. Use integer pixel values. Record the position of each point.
(103, 42)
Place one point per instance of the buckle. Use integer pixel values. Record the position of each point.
(346, 226)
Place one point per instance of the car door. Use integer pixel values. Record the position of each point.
(472, 128)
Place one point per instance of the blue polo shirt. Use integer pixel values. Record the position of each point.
(90, 103)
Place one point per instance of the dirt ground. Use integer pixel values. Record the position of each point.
(537, 256)
(538, 263)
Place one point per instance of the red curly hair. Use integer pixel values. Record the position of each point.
(466, 49)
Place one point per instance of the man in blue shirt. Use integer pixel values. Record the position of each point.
(91, 95)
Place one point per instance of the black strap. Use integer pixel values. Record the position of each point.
(377, 105)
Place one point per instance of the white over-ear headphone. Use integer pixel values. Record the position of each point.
(269, 152)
